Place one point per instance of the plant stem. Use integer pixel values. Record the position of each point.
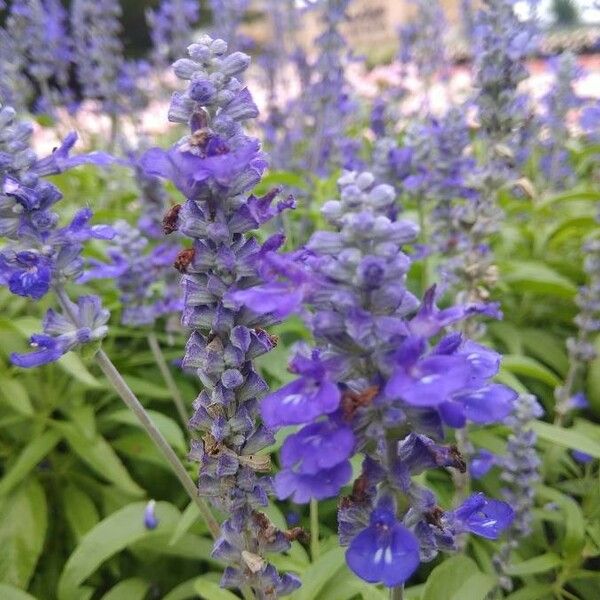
(462, 481)
(397, 593)
(314, 530)
(163, 367)
(423, 238)
(131, 401)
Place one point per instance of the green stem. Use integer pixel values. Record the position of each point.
(131, 401)
(314, 530)
(163, 367)
(397, 593)
(423, 238)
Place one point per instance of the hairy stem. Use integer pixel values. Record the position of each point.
(131, 401)
(163, 367)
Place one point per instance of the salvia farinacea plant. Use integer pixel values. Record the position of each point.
(387, 379)
(215, 167)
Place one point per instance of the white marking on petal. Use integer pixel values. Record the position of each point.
(293, 399)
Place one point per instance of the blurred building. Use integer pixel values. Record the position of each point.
(373, 24)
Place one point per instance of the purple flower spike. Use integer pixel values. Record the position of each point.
(386, 551)
(482, 516)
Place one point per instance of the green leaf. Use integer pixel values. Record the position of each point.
(592, 196)
(529, 367)
(101, 458)
(167, 426)
(574, 523)
(130, 589)
(533, 591)
(593, 379)
(26, 326)
(27, 460)
(345, 586)
(476, 587)
(80, 511)
(567, 438)
(539, 564)
(538, 278)
(508, 334)
(15, 395)
(547, 348)
(209, 590)
(190, 546)
(72, 364)
(23, 524)
(319, 573)
(183, 591)
(138, 446)
(9, 592)
(147, 389)
(450, 577)
(190, 516)
(284, 178)
(113, 534)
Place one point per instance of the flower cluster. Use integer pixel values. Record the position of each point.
(171, 27)
(416, 37)
(38, 254)
(227, 18)
(15, 87)
(520, 472)
(138, 273)
(581, 349)
(39, 33)
(215, 167)
(502, 44)
(328, 101)
(559, 102)
(384, 381)
(98, 49)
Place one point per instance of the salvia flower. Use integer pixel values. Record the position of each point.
(386, 551)
(559, 102)
(502, 43)
(215, 167)
(227, 18)
(38, 255)
(15, 87)
(429, 23)
(150, 520)
(61, 335)
(520, 472)
(328, 102)
(137, 270)
(383, 363)
(171, 28)
(580, 348)
(39, 30)
(98, 51)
